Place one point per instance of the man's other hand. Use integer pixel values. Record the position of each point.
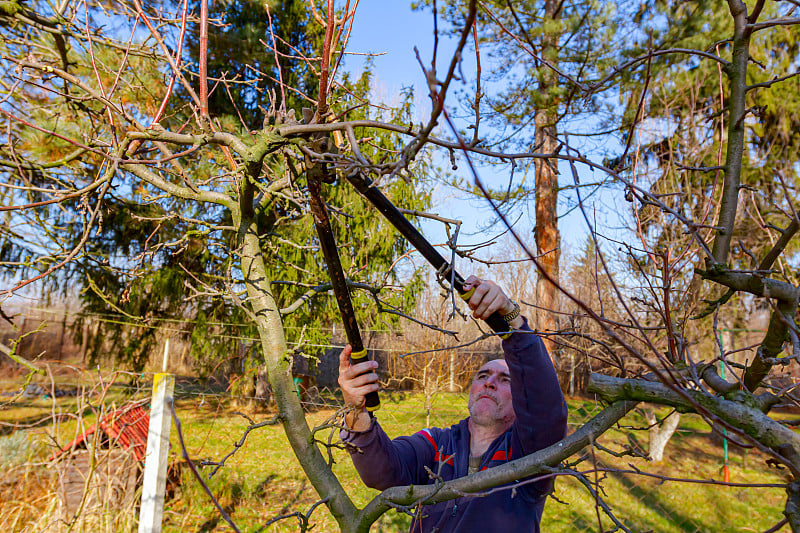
(356, 381)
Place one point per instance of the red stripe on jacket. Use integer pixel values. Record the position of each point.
(500, 455)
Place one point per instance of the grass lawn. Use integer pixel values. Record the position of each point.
(263, 479)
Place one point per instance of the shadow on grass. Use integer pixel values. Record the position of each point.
(232, 495)
(651, 500)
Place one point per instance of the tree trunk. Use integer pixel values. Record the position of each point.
(452, 384)
(548, 240)
(61, 336)
(427, 392)
(737, 109)
(273, 341)
(184, 352)
(792, 509)
(572, 374)
(85, 340)
(660, 432)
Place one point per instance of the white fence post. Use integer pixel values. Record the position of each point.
(155, 465)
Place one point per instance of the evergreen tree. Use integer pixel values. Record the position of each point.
(540, 54)
(132, 269)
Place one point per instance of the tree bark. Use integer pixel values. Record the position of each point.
(742, 415)
(546, 235)
(792, 509)
(270, 329)
(737, 73)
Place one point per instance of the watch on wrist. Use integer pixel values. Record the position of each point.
(513, 314)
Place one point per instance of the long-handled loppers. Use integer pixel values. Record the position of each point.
(327, 242)
(444, 270)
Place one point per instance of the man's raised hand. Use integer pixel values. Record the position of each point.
(488, 298)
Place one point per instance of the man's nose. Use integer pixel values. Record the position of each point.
(491, 382)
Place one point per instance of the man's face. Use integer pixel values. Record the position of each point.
(490, 395)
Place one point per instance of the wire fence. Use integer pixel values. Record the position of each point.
(58, 335)
(262, 480)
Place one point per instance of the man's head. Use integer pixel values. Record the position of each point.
(490, 395)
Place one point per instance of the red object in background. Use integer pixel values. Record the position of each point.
(126, 427)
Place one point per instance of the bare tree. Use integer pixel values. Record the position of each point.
(64, 70)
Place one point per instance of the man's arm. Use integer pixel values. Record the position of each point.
(381, 463)
(356, 381)
(539, 405)
(538, 402)
(541, 413)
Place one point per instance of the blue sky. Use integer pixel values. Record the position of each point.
(393, 29)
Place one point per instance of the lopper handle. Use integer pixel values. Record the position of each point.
(341, 292)
(374, 196)
(373, 402)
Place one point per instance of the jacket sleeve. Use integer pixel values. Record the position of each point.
(384, 463)
(536, 395)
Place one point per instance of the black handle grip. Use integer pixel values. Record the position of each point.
(497, 324)
(340, 290)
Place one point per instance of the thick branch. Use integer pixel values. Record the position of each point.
(222, 138)
(772, 344)
(737, 71)
(155, 180)
(530, 465)
(322, 288)
(773, 81)
(270, 330)
(792, 509)
(786, 237)
(786, 21)
(747, 418)
(12, 354)
(752, 283)
(713, 379)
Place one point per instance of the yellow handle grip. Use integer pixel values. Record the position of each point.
(358, 357)
(467, 295)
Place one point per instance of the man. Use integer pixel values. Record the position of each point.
(516, 408)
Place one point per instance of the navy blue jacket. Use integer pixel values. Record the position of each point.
(541, 420)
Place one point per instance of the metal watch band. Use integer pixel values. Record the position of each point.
(513, 314)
